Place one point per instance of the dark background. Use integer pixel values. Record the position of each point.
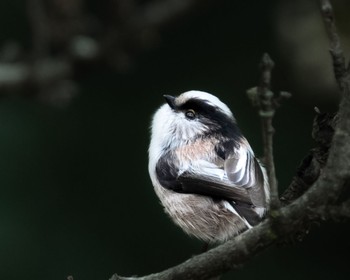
(75, 196)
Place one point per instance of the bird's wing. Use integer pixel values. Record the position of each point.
(240, 179)
(202, 177)
(244, 170)
(211, 185)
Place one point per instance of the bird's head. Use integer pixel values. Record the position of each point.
(192, 115)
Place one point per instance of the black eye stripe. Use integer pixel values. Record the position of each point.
(198, 106)
(213, 117)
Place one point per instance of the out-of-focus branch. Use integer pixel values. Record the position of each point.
(159, 13)
(141, 29)
(19, 74)
(64, 35)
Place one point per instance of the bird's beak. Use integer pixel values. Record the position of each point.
(170, 100)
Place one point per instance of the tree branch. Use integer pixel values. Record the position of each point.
(267, 112)
(263, 98)
(338, 58)
(335, 213)
(320, 197)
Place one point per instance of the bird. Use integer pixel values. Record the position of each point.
(203, 169)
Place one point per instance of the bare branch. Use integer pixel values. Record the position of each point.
(263, 98)
(266, 112)
(334, 212)
(336, 51)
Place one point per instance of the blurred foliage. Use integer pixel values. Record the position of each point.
(76, 198)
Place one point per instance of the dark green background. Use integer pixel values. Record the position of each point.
(75, 196)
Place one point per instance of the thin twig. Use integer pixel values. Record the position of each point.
(267, 112)
(263, 98)
(336, 51)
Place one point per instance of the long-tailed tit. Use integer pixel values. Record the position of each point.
(204, 170)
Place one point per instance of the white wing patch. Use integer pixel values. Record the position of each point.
(240, 167)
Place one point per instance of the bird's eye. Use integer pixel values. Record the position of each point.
(190, 114)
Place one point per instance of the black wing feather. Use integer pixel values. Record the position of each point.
(213, 187)
(243, 185)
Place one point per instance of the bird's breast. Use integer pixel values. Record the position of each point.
(197, 150)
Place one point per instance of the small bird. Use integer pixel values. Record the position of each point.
(204, 170)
